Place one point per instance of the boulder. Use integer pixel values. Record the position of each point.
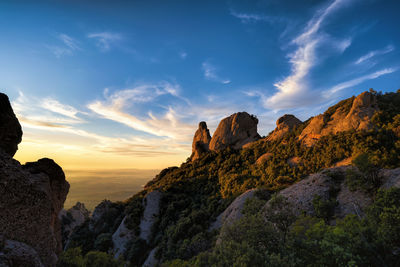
(201, 141)
(234, 211)
(263, 158)
(14, 253)
(10, 129)
(352, 114)
(284, 125)
(31, 197)
(235, 131)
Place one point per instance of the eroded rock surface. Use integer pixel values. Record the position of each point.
(284, 125)
(151, 205)
(72, 218)
(353, 114)
(201, 141)
(14, 253)
(235, 131)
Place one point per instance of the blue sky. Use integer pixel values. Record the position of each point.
(126, 82)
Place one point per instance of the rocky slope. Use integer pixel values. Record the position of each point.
(354, 114)
(31, 197)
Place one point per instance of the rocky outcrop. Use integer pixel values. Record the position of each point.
(201, 141)
(235, 131)
(234, 211)
(391, 178)
(351, 114)
(151, 260)
(151, 205)
(31, 197)
(10, 129)
(97, 224)
(14, 253)
(284, 125)
(263, 158)
(72, 218)
(123, 235)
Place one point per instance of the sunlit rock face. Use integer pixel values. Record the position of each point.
(31, 197)
(201, 141)
(10, 129)
(284, 125)
(235, 131)
(356, 116)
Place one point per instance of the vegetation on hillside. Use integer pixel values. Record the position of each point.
(197, 192)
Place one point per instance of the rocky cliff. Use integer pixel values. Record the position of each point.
(351, 114)
(235, 131)
(31, 196)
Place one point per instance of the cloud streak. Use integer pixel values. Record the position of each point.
(374, 53)
(70, 45)
(104, 40)
(210, 73)
(293, 90)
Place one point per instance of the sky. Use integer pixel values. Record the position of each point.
(124, 84)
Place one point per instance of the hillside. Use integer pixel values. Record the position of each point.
(314, 213)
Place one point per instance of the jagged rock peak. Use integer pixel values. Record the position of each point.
(10, 129)
(351, 114)
(235, 131)
(201, 140)
(284, 124)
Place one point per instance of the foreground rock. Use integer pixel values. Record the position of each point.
(10, 129)
(201, 141)
(284, 125)
(31, 197)
(235, 131)
(353, 114)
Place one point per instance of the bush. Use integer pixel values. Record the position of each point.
(103, 242)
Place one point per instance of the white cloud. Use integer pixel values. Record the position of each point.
(104, 40)
(168, 124)
(358, 80)
(67, 49)
(183, 55)
(374, 53)
(69, 41)
(293, 90)
(210, 73)
(55, 106)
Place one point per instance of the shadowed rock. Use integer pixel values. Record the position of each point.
(235, 131)
(10, 129)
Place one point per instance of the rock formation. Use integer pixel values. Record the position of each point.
(10, 129)
(31, 196)
(284, 124)
(235, 131)
(201, 141)
(234, 211)
(14, 253)
(72, 218)
(347, 116)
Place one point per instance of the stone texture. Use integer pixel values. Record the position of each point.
(358, 117)
(31, 197)
(151, 204)
(14, 253)
(284, 125)
(234, 211)
(201, 141)
(235, 131)
(10, 129)
(120, 238)
(391, 178)
(263, 158)
(151, 260)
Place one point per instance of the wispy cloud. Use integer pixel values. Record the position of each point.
(374, 53)
(252, 17)
(210, 73)
(104, 40)
(358, 80)
(293, 90)
(168, 124)
(67, 48)
(183, 55)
